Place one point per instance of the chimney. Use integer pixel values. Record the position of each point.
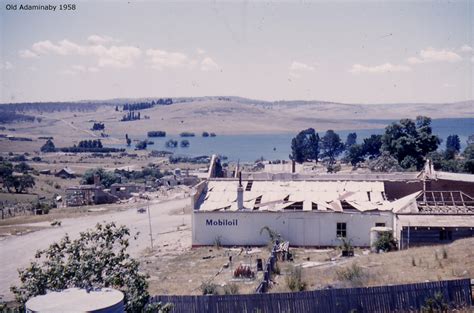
(240, 193)
(293, 166)
(96, 180)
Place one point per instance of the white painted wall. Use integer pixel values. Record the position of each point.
(300, 228)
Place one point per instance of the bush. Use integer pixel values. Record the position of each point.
(386, 242)
(158, 307)
(171, 143)
(141, 145)
(184, 143)
(294, 280)
(209, 288)
(435, 304)
(353, 274)
(187, 134)
(231, 289)
(106, 178)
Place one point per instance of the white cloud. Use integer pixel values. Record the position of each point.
(466, 48)
(298, 66)
(448, 85)
(162, 59)
(6, 66)
(472, 59)
(208, 65)
(100, 40)
(116, 56)
(80, 69)
(28, 54)
(113, 56)
(84, 69)
(200, 51)
(383, 68)
(431, 55)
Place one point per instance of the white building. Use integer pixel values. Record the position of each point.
(318, 210)
(307, 213)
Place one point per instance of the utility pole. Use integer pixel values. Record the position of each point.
(149, 222)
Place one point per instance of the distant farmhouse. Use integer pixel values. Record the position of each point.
(319, 210)
(66, 173)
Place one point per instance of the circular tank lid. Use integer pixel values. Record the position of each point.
(75, 300)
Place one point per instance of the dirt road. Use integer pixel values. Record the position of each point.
(18, 251)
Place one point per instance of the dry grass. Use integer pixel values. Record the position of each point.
(183, 274)
(443, 262)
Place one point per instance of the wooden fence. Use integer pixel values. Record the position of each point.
(371, 299)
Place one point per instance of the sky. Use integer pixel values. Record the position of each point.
(352, 52)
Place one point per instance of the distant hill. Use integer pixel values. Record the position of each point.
(229, 115)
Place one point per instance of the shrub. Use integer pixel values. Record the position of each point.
(353, 274)
(171, 143)
(436, 304)
(294, 280)
(209, 288)
(231, 289)
(386, 242)
(187, 134)
(158, 307)
(141, 145)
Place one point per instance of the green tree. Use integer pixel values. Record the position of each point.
(48, 146)
(141, 145)
(453, 146)
(106, 178)
(98, 258)
(372, 145)
(23, 167)
(6, 169)
(355, 154)
(384, 163)
(23, 183)
(468, 154)
(453, 143)
(297, 152)
(331, 146)
(351, 140)
(410, 140)
(305, 146)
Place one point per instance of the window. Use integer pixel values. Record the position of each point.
(379, 224)
(297, 206)
(445, 234)
(341, 230)
(258, 200)
(368, 195)
(249, 185)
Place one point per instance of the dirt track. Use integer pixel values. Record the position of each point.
(18, 251)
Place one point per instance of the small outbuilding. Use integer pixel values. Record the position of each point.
(66, 173)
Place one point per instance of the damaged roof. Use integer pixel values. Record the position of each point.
(272, 195)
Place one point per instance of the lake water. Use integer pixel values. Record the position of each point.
(248, 148)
